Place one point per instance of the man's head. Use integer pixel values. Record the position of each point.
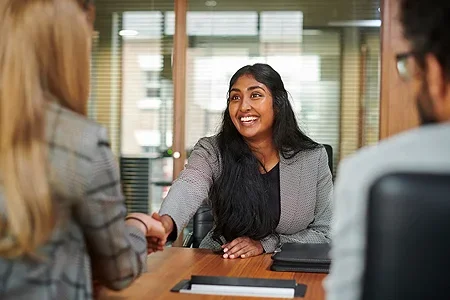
(426, 26)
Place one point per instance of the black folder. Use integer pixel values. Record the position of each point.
(299, 289)
(297, 257)
(243, 281)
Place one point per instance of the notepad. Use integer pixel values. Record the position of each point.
(241, 291)
(239, 286)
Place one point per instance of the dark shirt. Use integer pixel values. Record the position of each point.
(273, 180)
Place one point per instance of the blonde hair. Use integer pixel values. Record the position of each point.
(44, 50)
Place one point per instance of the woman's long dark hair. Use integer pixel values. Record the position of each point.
(239, 196)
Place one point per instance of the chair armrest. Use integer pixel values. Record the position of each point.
(188, 240)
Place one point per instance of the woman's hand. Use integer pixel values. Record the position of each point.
(156, 243)
(153, 228)
(242, 247)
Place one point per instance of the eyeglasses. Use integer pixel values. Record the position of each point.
(403, 69)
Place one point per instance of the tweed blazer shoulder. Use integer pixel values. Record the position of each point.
(305, 193)
(90, 231)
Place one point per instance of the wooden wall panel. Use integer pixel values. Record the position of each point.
(179, 101)
(179, 82)
(397, 107)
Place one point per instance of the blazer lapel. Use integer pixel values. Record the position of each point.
(290, 183)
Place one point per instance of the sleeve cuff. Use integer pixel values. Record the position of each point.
(174, 234)
(270, 243)
(178, 217)
(139, 241)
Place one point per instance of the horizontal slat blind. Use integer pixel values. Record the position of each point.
(315, 45)
(135, 178)
(132, 94)
(324, 50)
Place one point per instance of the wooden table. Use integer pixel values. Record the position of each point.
(167, 268)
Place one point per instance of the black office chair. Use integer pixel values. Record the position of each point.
(329, 150)
(203, 222)
(408, 238)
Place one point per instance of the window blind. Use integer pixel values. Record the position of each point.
(317, 46)
(132, 94)
(326, 51)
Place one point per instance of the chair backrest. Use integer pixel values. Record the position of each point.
(408, 238)
(329, 150)
(203, 220)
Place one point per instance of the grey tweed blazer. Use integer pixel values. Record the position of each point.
(91, 229)
(305, 188)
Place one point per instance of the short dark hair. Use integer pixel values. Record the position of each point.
(426, 25)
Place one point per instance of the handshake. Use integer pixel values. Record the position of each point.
(155, 227)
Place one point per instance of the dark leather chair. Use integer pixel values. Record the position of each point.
(408, 238)
(203, 219)
(329, 150)
(203, 222)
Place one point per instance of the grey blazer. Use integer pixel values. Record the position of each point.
(305, 187)
(84, 178)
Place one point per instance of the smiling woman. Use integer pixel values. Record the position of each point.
(267, 182)
(251, 108)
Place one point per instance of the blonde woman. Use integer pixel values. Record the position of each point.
(61, 206)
